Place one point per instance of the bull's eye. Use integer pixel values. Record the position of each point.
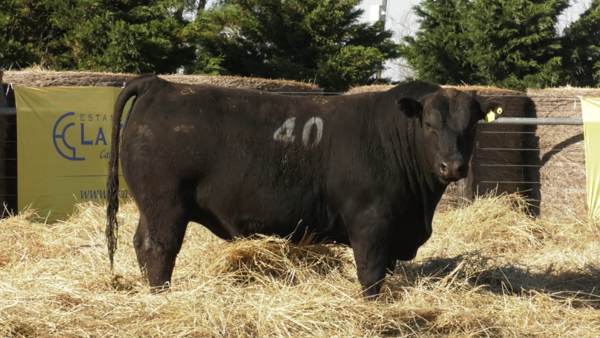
(427, 124)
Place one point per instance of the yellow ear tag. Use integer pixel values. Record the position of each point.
(490, 117)
(499, 111)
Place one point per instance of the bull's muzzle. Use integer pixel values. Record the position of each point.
(453, 170)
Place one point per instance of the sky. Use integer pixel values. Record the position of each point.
(395, 7)
(396, 13)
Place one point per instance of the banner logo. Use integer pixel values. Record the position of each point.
(72, 155)
(67, 149)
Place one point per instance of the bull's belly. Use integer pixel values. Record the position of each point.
(232, 225)
(243, 215)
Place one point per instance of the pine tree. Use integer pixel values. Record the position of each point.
(307, 40)
(581, 45)
(437, 50)
(101, 35)
(24, 32)
(505, 43)
(513, 43)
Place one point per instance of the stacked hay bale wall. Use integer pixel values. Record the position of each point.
(368, 89)
(546, 163)
(50, 78)
(34, 78)
(3, 138)
(559, 162)
(498, 160)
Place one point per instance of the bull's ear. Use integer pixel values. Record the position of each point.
(487, 106)
(410, 107)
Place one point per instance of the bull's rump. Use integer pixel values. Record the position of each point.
(229, 158)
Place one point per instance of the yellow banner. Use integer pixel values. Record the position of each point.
(63, 147)
(591, 134)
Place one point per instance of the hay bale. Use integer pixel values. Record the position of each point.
(245, 82)
(492, 170)
(368, 89)
(36, 78)
(498, 159)
(560, 152)
(486, 90)
(481, 90)
(562, 92)
(3, 143)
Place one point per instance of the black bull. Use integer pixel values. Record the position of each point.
(365, 170)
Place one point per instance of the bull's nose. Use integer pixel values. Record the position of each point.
(453, 169)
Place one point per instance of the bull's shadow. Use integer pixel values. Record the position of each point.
(579, 286)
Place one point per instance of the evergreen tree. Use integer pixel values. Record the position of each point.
(505, 43)
(307, 40)
(513, 43)
(24, 32)
(135, 36)
(436, 52)
(581, 44)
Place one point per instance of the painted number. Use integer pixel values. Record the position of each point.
(285, 133)
(315, 121)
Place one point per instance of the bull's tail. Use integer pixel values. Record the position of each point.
(135, 88)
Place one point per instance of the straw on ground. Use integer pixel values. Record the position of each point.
(488, 270)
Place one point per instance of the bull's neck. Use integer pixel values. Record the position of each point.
(409, 150)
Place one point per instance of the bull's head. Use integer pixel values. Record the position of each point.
(448, 122)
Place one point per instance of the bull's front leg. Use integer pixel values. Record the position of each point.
(369, 237)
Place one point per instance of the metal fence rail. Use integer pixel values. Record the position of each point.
(527, 165)
(8, 111)
(538, 121)
(501, 120)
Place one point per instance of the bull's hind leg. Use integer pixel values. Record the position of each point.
(138, 243)
(157, 242)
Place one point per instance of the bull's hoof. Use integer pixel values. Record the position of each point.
(371, 293)
(391, 267)
(371, 298)
(155, 290)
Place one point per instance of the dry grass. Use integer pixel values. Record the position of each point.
(481, 90)
(565, 91)
(40, 77)
(488, 270)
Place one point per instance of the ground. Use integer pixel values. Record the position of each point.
(488, 270)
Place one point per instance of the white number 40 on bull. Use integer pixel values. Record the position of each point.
(285, 133)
